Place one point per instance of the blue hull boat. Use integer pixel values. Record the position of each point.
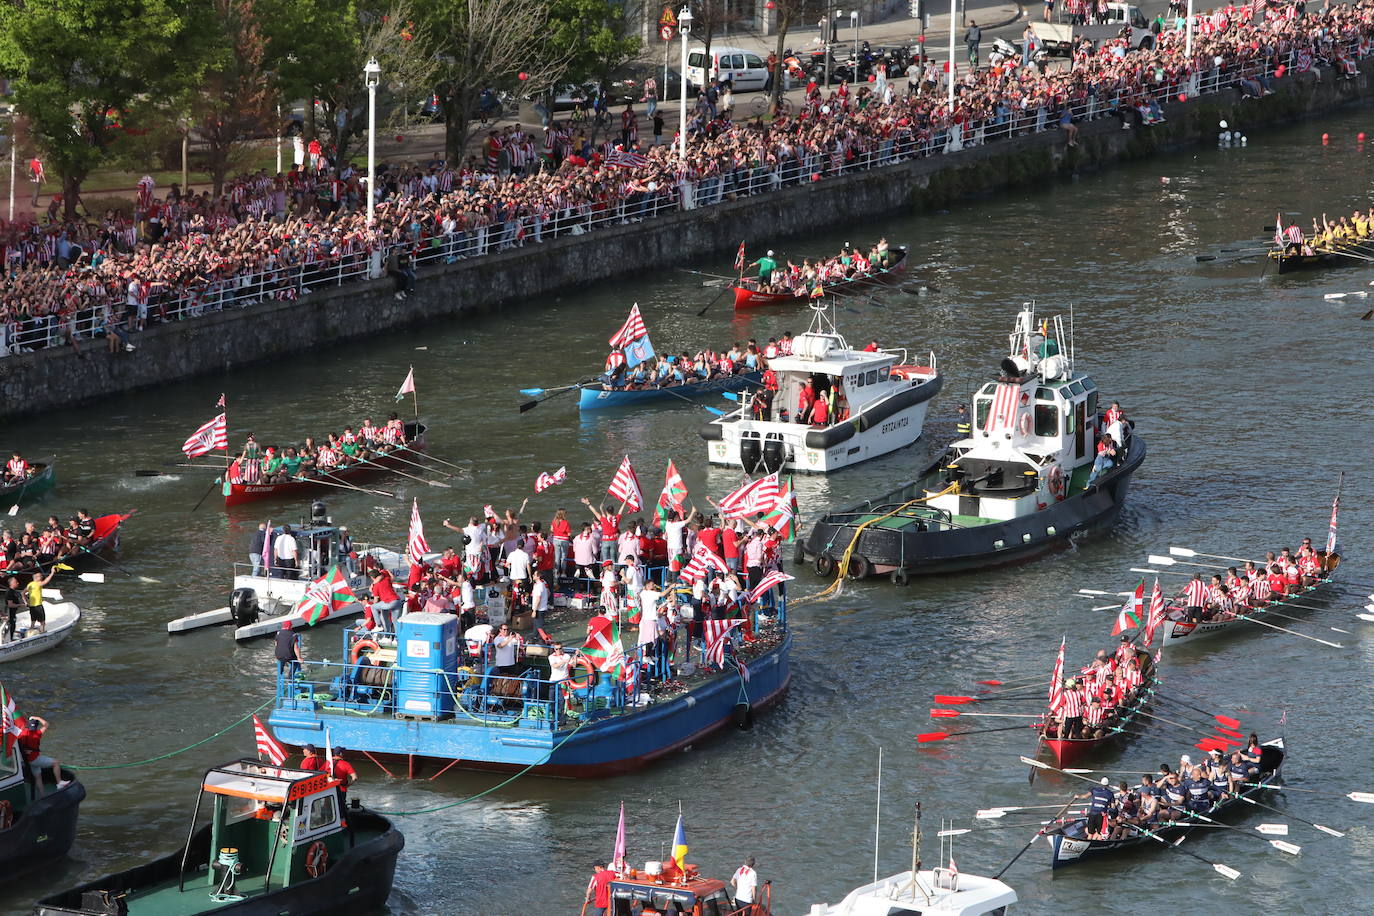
(596, 396)
(459, 716)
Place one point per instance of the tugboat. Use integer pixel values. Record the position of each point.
(1020, 484)
(37, 822)
(874, 401)
(277, 842)
(428, 692)
(260, 604)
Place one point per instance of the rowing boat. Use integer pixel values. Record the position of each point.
(30, 488)
(1177, 632)
(1068, 750)
(596, 396)
(1292, 263)
(60, 618)
(748, 295)
(104, 541)
(237, 493)
(1070, 844)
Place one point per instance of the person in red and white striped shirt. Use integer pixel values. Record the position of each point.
(1222, 606)
(1071, 710)
(1195, 596)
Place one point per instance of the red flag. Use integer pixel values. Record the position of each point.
(633, 329)
(753, 497)
(715, 632)
(674, 493)
(702, 558)
(546, 480)
(1156, 613)
(268, 746)
(776, 577)
(1057, 679)
(416, 545)
(739, 259)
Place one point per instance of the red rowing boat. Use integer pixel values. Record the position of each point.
(1067, 750)
(239, 493)
(748, 297)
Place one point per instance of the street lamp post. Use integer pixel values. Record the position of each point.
(854, 24)
(372, 76)
(1188, 35)
(953, 9)
(14, 159)
(684, 23)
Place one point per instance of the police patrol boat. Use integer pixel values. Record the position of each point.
(278, 840)
(1018, 484)
(37, 820)
(875, 402)
(260, 603)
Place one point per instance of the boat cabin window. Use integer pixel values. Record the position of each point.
(872, 378)
(1044, 394)
(323, 812)
(8, 766)
(1046, 419)
(238, 809)
(1092, 403)
(1068, 423)
(981, 407)
(883, 373)
(717, 904)
(1076, 388)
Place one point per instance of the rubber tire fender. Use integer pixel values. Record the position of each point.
(859, 567)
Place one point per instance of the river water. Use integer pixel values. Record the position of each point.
(1252, 392)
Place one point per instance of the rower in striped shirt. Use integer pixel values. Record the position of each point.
(1222, 605)
(1195, 596)
(1071, 710)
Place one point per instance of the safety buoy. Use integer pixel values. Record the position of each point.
(316, 859)
(358, 648)
(1024, 424)
(6, 815)
(587, 679)
(1057, 482)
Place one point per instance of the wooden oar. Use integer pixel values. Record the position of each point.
(214, 483)
(1281, 845)
(725, 288)
(328, 481)
(1222, 720)
(953, 713)
(393, 456)
(1365, 797)
(702, 273)
(1322, 827)
(428, 457)
(552, 393)
(928, 737)
(1038, 834)
(1225, 871)
(390, 470)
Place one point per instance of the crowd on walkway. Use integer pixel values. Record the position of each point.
(275, 237)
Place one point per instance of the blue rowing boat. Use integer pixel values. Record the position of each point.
(596, 396)
(413, 695)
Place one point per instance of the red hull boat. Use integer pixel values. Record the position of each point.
(748, 297)
(1067, 750)
(238, 493)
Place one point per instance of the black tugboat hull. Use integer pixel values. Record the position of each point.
(910, 552)
(44, 833)
(358, 883)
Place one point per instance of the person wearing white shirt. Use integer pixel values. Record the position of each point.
(504, 645)
(285, 552)
(518, 564)
(745, 883)
(468, 595)
(674, 532)
(559, 663)
(539, 600)
(627, 546)
(585, 552)
(648, 611)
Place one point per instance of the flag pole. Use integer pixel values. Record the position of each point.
(415, 396)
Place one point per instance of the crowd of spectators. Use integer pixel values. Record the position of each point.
(275, 237)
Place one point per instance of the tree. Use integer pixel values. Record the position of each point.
(75, 67)
(235, 98)
(599, 34)
(788, 11)
(484, 45)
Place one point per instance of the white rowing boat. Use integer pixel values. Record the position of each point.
(1175, 632)
(62, 617)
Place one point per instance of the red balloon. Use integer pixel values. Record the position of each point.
(523, 76)
(400, 139)
(872, 78)
(1183, 96)
(1280, 71)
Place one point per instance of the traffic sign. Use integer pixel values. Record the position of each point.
(668, 18)
(666, 32)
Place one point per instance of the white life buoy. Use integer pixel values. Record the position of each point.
(1023, 425)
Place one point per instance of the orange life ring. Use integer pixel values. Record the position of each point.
(316, 859)
(588, 678)
(358, 648)
(1057, 482)
(6, 815)
(1024, 424)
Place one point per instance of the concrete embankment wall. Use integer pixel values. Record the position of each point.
(37, 382)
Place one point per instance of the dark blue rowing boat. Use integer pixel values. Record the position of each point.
(596, 396)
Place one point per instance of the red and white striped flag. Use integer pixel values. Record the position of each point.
(753, 497)
(716, 632)
(268, 746)
(702, 559)
(627, 159)
(1057, 679)
(776, 577)
(631, 330)
(546, 480)
(488, 511)
(1003, 413)
(211, 436)
(739, 259)
(625, 486)
(220, 403)
(1156, 613)
(416, 545)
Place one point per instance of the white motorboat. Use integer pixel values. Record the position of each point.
(940, 891)
(877, 400)
(62, 617)
(260, 604)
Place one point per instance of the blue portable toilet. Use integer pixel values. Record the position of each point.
(426, 657)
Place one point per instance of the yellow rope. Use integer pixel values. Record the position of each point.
(843, 566)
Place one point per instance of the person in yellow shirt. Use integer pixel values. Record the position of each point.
(33, 597)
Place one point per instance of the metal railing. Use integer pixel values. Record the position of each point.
(289, 282)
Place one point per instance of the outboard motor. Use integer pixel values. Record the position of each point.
(774, 453)
(243, 606)
(750, 454)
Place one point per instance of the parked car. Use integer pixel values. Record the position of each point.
(744, 69)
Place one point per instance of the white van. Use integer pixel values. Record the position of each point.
(744, 69)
